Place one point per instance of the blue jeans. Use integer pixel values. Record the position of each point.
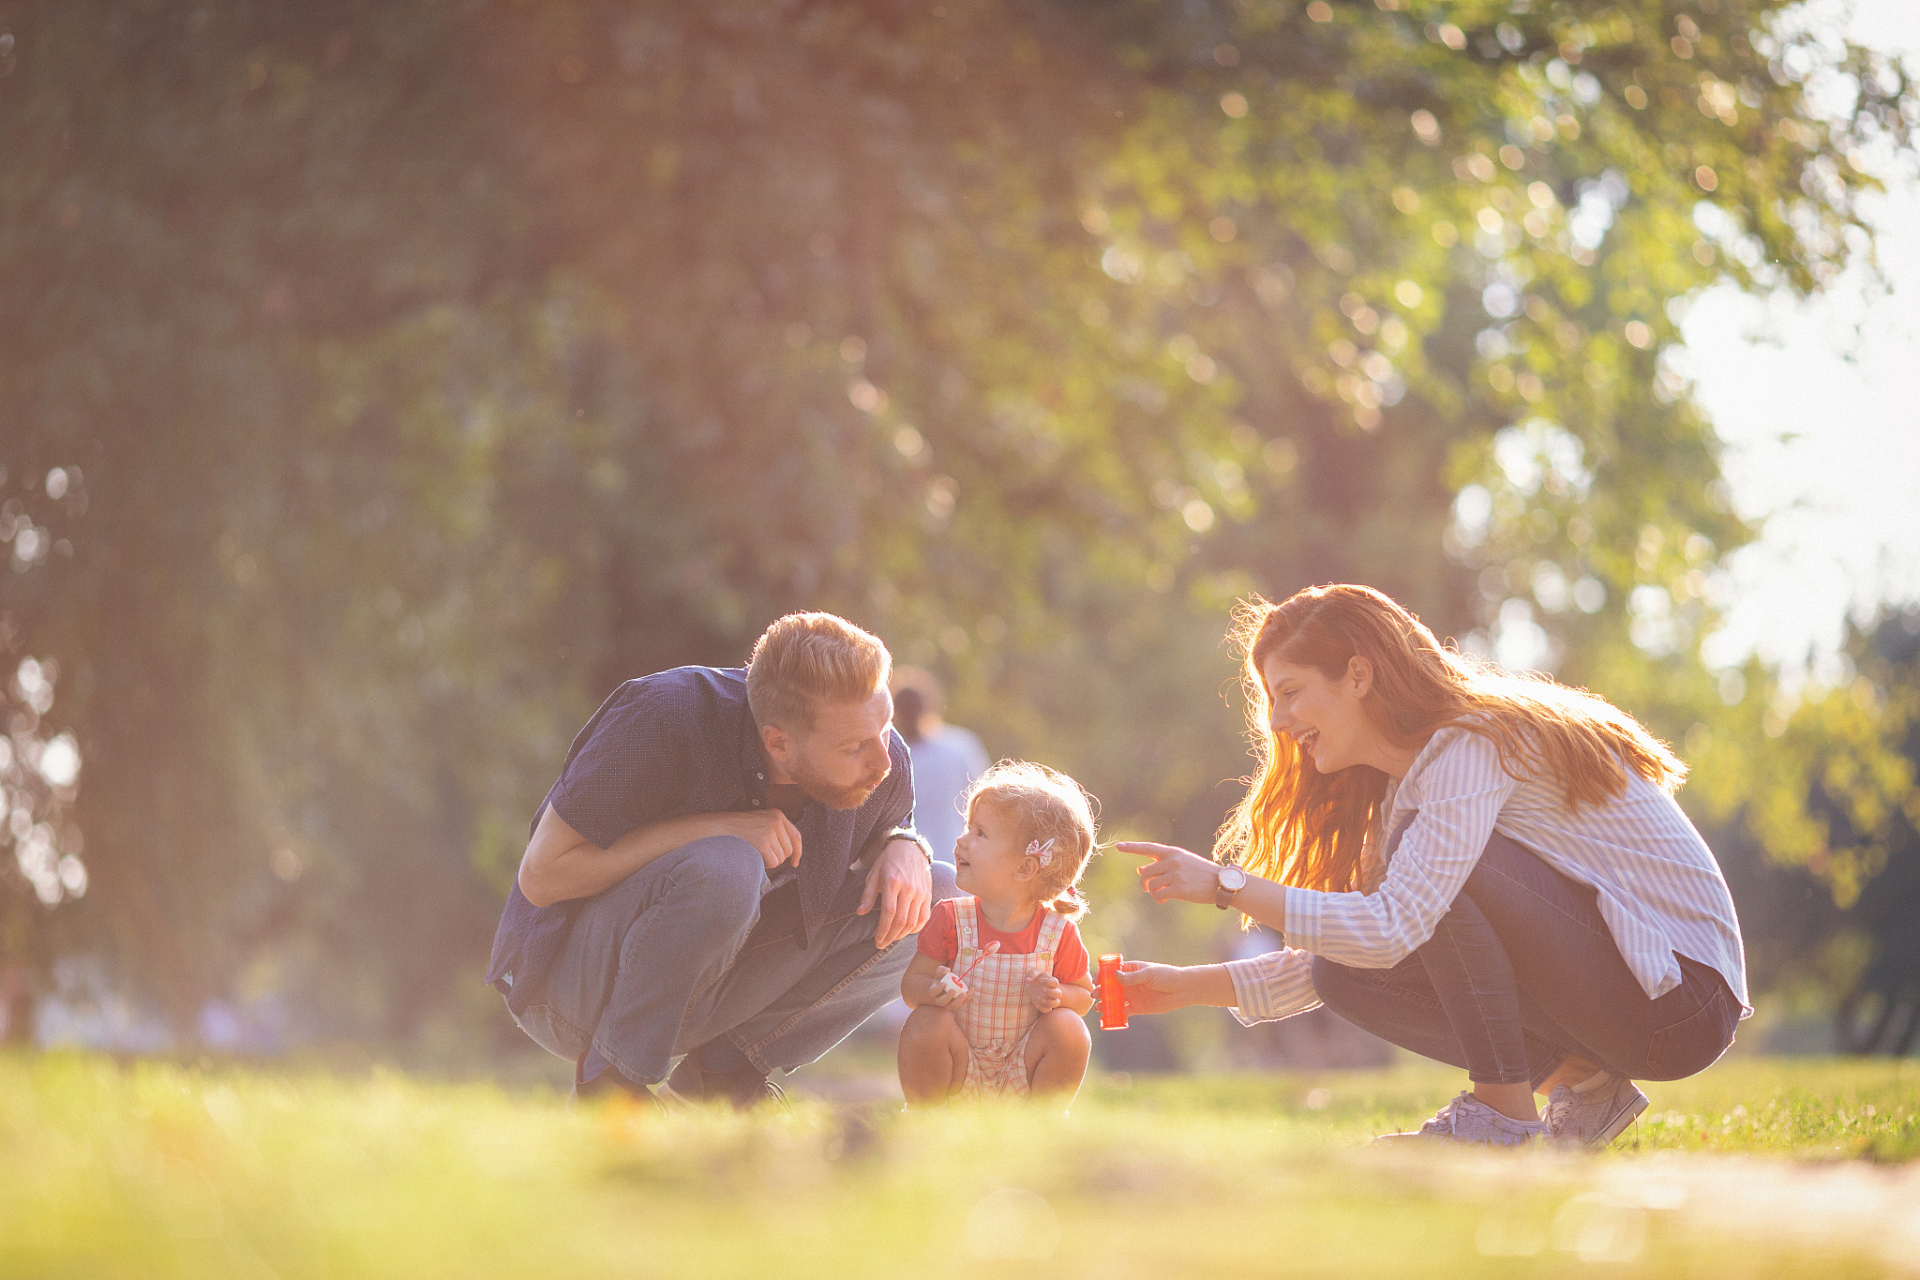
(693, 946)
(1521, 973)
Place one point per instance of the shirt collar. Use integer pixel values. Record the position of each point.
(753, 765)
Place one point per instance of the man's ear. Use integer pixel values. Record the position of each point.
(1359, 681)
(779, 744)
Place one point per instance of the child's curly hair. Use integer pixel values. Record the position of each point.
(1047, 805)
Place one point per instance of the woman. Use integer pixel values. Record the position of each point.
(1487, 870)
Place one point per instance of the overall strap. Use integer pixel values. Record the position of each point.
(965, 917)
(1052, 929)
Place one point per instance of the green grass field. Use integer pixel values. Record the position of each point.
(1758, 1168)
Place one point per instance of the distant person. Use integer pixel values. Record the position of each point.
(1484, 869)
(946, 758)
(726, 869)
(1000, 988)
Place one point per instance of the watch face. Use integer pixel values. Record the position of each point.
(1233, 879)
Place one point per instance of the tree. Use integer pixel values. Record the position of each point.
(420, 371)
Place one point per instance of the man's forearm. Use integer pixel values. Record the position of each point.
(560, 870)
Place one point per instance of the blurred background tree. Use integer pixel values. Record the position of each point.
(383, 383)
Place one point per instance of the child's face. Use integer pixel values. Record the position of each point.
(990, 860)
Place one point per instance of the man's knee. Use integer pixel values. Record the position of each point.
(943, 882)
(725, 874)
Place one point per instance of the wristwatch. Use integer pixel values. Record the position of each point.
(907, 833)
(1232, 881)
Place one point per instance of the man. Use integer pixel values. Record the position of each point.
(726, 869)
(946, 758)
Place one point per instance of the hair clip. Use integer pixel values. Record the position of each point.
(1044, 852)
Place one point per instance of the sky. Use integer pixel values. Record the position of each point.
(1819, 405)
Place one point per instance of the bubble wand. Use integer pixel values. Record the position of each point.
(955, 983)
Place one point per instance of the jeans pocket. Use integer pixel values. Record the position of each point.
(1695, 1042)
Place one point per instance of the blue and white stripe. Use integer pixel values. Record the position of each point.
(1660, 890)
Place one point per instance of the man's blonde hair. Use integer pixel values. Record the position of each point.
(805, 659)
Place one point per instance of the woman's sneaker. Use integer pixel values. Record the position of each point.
(1594, 1112)
(1467, 1119)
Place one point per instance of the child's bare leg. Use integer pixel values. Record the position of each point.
(1057, 1052)
(933, 1056)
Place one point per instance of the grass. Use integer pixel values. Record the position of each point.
(152, 1170)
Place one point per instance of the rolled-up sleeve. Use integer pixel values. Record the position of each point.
(1278, 984)
(1460, 797)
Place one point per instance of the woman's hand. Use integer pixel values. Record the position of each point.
(1160, 988)
(1155, 988)
(1174, 875)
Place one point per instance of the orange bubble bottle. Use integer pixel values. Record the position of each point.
(1113, 995)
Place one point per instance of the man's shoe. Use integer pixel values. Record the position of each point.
(741, 1089)
(609, 1083)
(1594, 1113)
(1467, 1119)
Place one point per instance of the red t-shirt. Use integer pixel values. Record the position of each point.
(940, 938)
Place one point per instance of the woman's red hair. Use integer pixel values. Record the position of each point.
(1305, 828)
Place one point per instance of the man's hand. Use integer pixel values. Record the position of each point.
(1044, 991)
(1174, 874)
(770, 831)
(901, 881)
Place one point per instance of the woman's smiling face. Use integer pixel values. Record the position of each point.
(1327, 718)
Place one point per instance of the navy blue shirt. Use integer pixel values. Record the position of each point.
(679, 742)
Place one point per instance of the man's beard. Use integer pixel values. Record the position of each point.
(817, 786)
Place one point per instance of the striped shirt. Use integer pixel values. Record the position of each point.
(1660, 890)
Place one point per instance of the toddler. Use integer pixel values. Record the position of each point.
(1000, 986)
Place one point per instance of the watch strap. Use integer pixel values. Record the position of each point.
(908, 833)
(1223, 897)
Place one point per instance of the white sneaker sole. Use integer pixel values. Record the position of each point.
(1617, 1125)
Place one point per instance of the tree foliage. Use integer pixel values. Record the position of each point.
(418, 371)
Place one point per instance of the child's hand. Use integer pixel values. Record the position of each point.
(945, 995)
(1044, 991)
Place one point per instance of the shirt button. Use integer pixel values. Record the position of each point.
(761, 776)
(756, 804)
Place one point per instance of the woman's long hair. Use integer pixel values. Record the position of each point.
(1305, 828)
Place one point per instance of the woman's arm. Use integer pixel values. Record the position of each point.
(1159, 988)
(1460, 795)
(1176, 875)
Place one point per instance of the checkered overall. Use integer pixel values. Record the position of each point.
(999, 1015)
